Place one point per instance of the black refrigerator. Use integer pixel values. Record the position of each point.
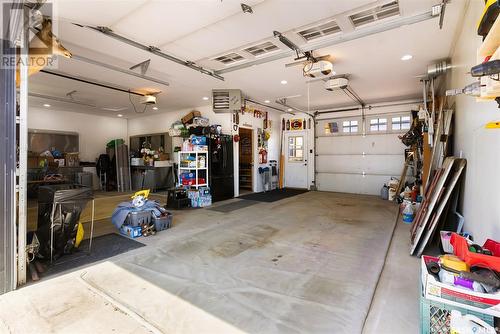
(221, 167)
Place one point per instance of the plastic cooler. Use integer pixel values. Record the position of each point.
(461, 249)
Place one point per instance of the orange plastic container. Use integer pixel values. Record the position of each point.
(461, 249)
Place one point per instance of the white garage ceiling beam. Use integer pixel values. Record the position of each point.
(91, 82)
(340, 38)
(152, 49)
(119, 69)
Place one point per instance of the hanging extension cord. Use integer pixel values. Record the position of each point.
(133, 105)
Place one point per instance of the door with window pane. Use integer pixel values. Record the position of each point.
(296, 160)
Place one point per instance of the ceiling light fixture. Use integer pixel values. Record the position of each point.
(406, 57)
(155, 108)
(284, 82)
(119, 115)
(46, 105)
(267, 101)
(205, 98)
(289, 109)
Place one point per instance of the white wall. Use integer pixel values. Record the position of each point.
(481, 147)
(94, 131)
(161, 122)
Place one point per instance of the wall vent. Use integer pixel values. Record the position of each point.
(226, 100)
(261, 49)
(324, 29)
(229, 58)
(374, 14)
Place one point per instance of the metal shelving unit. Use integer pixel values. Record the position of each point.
(200, 170)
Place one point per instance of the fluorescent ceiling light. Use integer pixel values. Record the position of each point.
(406, 57)
(155, 108)
(205, 98)
(267, 101)
(46, 105)
(119, 115)
(284, 82)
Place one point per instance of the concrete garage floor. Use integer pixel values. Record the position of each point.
(306, 264)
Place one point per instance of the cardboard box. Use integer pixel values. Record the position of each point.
(189, 117)
(33, 162)
(164, 156)
(487, 303)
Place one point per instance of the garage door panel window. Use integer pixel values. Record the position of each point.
(378, 125)
(350, 126)
(296, 149)
(401, 123)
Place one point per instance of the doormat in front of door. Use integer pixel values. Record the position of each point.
(230, 207)
(273, 195)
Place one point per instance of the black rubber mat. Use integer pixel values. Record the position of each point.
(103, 247)
(233, 206)
(273, 195)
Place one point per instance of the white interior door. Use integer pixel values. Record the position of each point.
(296, 159)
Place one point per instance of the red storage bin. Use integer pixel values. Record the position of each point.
(192, 182)
(461, 249)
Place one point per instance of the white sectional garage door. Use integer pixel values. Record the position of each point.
(353, 163)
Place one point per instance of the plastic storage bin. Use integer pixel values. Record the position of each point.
(131, 231)
(138, 218)
(164, 222)
(461, 249)
(435, 317)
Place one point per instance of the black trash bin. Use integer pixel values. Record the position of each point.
(62, 204)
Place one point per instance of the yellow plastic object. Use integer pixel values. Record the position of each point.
(80, 232)
(490, 13)
(454, 263)
(143, 193)
(493, 125)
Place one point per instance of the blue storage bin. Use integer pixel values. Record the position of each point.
(199, 140)
(131, 231)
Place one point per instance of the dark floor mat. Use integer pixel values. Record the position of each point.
(273, 195)
(103, 247)
(233, 206)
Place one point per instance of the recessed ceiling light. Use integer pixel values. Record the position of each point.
(155, 108)
(205, 98)
(290, 109)
(46, 105)
(119, 115)
(267, 101)
(406, 57)
(284, 82)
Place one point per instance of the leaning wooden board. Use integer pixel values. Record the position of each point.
(425, 203)
(422, 224)
(458, 168)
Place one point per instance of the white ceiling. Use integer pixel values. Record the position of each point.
(201, 30)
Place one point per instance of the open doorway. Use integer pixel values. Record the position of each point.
(246, 160)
